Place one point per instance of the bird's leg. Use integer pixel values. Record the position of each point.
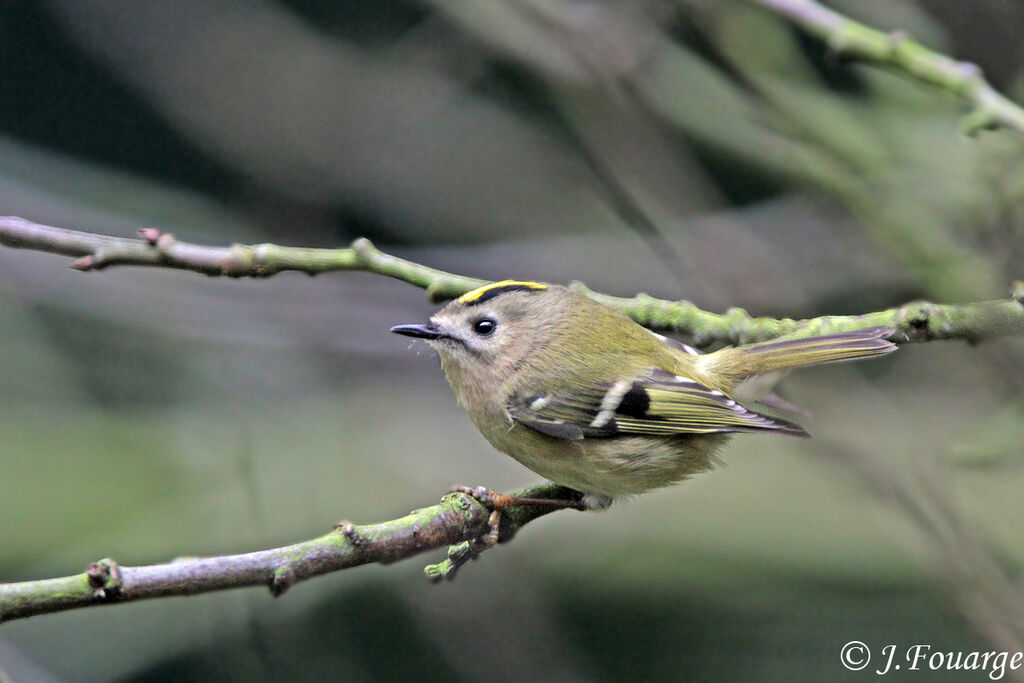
(461, 553)
(501, 501)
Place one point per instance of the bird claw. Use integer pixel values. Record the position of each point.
(496, 502)
(462, 553)
(503, 501)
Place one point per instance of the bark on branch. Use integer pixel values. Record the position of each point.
(458, 521)
(918, 321)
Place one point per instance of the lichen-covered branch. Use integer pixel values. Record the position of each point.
(458, 520)
(918, 321)
(161, 249)
(849, 38)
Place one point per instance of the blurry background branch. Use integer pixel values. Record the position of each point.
(914, 322)
(459, 520)
(848, 38)
(977, 576)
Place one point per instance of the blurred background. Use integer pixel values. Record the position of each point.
(693, 149)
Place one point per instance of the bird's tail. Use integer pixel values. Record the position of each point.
(735, 364)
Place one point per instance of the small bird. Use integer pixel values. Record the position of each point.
(584, 396)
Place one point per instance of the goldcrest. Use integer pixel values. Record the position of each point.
(584, 396)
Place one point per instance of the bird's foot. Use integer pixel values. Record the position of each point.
(499, 502)
(502, 501)
(463, 552)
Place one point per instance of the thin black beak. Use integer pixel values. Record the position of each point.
(427, 331)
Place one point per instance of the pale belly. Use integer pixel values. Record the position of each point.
(610, 467)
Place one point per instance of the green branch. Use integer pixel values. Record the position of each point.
(848, 38)
(914, 322)
(459, 521)
(163, 250)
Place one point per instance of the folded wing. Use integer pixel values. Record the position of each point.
(656, 403)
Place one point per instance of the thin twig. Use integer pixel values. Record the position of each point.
(849, 38)
(918, 321)
(162, 249)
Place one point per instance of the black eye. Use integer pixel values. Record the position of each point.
(484, 326)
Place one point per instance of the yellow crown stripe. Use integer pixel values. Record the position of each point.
(476, 294)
